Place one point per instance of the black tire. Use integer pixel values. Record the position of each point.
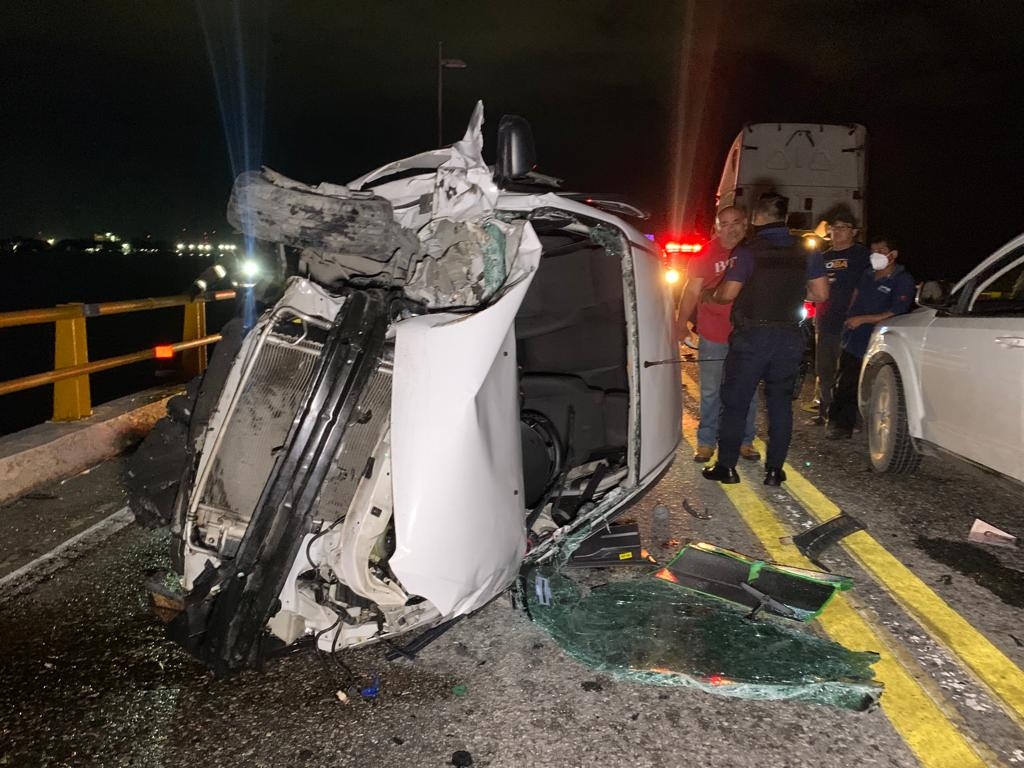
(890, 446)
(156, 469)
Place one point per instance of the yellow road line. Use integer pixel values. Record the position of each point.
(931, 736)
(992, 667)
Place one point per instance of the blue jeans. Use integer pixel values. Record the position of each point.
(755, 354)
(712, 363)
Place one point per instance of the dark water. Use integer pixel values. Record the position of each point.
(46, 279)
(984, 567)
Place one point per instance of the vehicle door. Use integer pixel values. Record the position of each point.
(660, 389)
(972, 371)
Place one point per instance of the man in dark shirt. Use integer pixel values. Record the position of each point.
(768, 280)
(885, 290)
(845, 262)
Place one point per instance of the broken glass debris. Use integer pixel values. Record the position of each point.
(648, 630)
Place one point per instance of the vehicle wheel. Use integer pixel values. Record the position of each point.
(889, 443)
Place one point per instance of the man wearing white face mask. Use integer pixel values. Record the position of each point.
(886, 290)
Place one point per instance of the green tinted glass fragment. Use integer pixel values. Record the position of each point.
(650, 630)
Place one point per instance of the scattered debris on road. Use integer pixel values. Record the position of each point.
(758, 585)
(705, 515)
(985, 533)
(613, 545)
(650, 631)
(816, 540)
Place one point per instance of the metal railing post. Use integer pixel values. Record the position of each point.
(71, 397)
(193, 361)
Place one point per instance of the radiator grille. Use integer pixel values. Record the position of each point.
(350, 463)
(257, 428)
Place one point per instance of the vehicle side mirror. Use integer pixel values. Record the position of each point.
(935, 294)
(516, 153)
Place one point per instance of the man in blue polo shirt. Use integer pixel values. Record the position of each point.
(886, 290)
(846, 261)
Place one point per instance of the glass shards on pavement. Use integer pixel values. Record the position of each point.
(648, 630)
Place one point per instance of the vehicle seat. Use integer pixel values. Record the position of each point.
(600, 420)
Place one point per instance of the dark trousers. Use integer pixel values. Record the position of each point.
(756, 354)
(826, 363)
(842, 412)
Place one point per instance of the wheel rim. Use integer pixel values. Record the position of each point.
(882, 417)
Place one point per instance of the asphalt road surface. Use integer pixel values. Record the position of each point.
(88, 679)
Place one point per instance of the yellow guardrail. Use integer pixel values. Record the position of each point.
(71, 365)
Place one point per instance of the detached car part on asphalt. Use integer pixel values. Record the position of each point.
(452, 386)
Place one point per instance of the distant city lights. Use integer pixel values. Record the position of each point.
(205, 248)
(112, 243)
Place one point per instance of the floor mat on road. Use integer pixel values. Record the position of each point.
(616, 544)
(650, 631)
(758, 585)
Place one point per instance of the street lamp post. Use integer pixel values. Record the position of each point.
(442, 65)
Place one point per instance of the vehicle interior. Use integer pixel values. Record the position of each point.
(574, 388)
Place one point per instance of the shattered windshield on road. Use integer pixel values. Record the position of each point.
(649, 630)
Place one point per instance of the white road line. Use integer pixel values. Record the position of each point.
(94, 534)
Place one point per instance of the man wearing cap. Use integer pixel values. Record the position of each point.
(845, 262)
(705, 271)
(885, 290)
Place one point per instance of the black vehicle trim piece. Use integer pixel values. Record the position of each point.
(228, 609)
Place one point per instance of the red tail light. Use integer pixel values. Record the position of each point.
(675, 247)
(809, 309)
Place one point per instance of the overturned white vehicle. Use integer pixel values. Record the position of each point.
(458, 379)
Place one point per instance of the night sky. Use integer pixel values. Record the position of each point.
(109, 116)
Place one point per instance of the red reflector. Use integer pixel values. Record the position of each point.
(809, 308)
(674, 247)
(163, 351)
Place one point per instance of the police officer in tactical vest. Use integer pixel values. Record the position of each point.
(769, 280)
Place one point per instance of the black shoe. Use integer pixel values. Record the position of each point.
(725, 475)
(774, 476)
(835, 432)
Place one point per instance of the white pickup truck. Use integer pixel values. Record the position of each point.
(949, 377)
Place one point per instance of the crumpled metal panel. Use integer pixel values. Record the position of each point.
(456, 183)
(456, 454)
(466, 264)
(268, 206)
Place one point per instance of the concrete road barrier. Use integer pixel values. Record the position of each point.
(54, 451)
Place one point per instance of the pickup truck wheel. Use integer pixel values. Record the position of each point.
(889, 443)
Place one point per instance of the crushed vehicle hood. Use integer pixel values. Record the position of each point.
(434, 234)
